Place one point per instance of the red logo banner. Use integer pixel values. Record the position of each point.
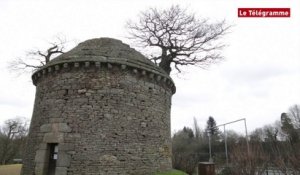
(264, 12)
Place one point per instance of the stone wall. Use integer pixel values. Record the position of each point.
(106, 118)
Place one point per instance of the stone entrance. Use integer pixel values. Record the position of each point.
(53, 155)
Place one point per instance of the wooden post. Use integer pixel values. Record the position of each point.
(206, 168)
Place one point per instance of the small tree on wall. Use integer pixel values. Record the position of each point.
(35, 59)
(181, 37)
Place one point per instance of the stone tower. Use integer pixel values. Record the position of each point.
(101, 108)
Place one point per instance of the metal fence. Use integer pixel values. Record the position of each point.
(276, 171)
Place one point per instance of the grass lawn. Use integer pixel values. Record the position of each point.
(173, 172)
(14, 169)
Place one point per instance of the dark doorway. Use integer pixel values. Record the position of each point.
(53, 148)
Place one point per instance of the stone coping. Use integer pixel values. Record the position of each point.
(100, 61)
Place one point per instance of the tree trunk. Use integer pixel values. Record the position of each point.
(165, 62)
(165, 65)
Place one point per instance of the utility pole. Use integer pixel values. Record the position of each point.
(225, 140)
(209, 145)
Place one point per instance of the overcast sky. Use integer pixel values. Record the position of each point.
(259, 79)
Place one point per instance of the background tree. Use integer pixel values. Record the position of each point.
(213, 135)
(183, 150)
(211, 126)
(233, 137)
(181, 37)
(257, 135)
(12, 139)
(273, 148)
(254, 163)
(289, 129)
(294, 114)
(188, 148)
(271, 133)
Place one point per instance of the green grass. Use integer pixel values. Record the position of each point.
(173, 172)
(14, 169)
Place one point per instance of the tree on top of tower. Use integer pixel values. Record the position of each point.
(181, 38)
(38, 58)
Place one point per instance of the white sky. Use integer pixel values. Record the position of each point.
(259, 79)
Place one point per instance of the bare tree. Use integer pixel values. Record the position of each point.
(36, 59)
(13, 129)
(294, 114)
(254, 163)
(181, 38)
(232, 137)
(271, 133)
(257, 135)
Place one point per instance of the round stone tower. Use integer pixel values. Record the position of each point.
(101, 108)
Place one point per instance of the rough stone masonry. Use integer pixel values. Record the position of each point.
(100, 109)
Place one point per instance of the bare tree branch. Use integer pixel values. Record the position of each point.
(36, 59)
(182, 38)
